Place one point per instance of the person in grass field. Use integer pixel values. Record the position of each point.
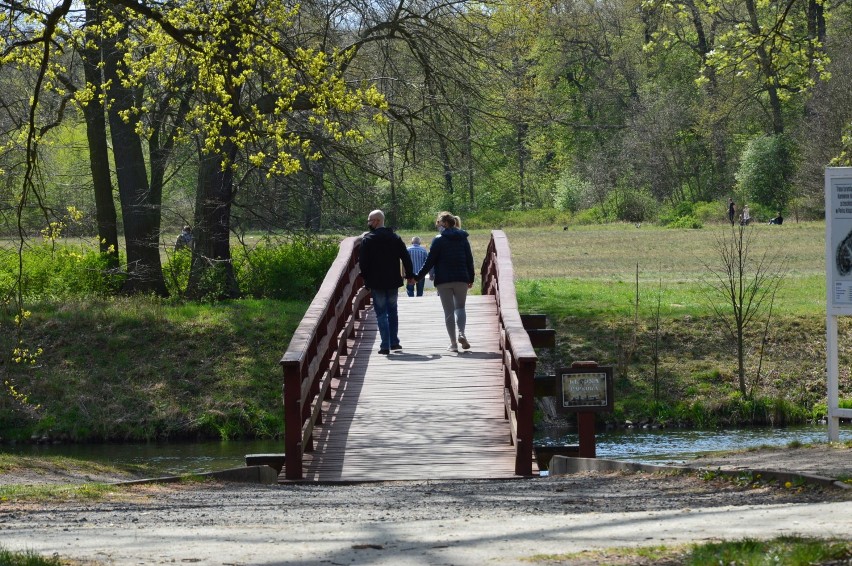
(381, 253)
(451, 257)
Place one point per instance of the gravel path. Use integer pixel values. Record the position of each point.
(446, 522)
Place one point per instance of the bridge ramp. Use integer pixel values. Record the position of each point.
(420, 413)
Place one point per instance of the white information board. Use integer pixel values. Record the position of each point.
(838, 218)
(838, 280)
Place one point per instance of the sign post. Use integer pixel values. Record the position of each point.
(585, 388)
(838, 279)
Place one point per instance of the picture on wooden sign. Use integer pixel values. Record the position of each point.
(584, 390)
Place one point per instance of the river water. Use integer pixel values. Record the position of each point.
(637, 445)
(654, 446)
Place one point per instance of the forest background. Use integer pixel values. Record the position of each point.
(265, 125)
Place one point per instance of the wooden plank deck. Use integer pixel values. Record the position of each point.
(420, 413)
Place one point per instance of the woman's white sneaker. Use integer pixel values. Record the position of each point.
(453, 348)
(463, 341)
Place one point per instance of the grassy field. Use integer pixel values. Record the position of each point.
(596, 266)
(593, 268)
(610, 252)
(139, 368)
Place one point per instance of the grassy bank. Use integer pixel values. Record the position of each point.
(140, 368)
(788, 550)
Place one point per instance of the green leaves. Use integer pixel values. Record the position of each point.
(766, 170)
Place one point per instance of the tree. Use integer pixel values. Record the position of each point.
(96, 133)
(766, 169)
(773, 46)
(741, 289)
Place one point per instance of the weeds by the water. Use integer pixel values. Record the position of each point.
(63, 464)
(26, 558)
(55, 492)
(787, 550)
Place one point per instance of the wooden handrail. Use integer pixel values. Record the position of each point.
(519, 358)
(312, 359)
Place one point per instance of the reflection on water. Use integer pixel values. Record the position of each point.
(638, 445)
(675, 445)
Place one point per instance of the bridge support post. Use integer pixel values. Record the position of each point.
(293, 422)
(586, 432)
(525, 412)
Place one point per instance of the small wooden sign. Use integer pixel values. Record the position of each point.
(585, 389)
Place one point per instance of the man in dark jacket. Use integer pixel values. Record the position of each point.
(381, 252)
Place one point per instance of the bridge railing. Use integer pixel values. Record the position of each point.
(519, 358)
(313, 357)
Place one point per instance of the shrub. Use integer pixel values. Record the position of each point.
(688, 214)
(571, 191)
(293, 270)
(766, 169)
(290, 270)
(493, 219)
(59, 272)
(176, 272)
(707, 212)
(632, 205)
(689, 222)
(594, 215)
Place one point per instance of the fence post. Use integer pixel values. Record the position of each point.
(292, 421)
(526, 410)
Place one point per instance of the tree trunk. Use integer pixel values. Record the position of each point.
(392, 172)
(315, 171)
(718, 127)
(438, 127)
(468, 150)
(212, 271)
(140, 205)
(770, 76)
(521, 136)
(741, 359)
(96, 136)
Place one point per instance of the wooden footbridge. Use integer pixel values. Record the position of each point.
(423, 412)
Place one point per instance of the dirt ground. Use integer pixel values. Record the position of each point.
(429, 522)
(834, 461)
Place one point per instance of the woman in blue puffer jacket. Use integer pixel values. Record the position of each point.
(452, 260)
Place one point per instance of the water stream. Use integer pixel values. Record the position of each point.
(638, 445)
(656, 446)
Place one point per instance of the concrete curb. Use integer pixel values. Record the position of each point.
(564, 465)
(246, 474)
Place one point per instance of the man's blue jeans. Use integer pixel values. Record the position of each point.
(420, 284)
(384, 303)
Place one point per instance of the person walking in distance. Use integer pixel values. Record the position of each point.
(381, 252)
(418, 257)
(452, 259)
(732, 211)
